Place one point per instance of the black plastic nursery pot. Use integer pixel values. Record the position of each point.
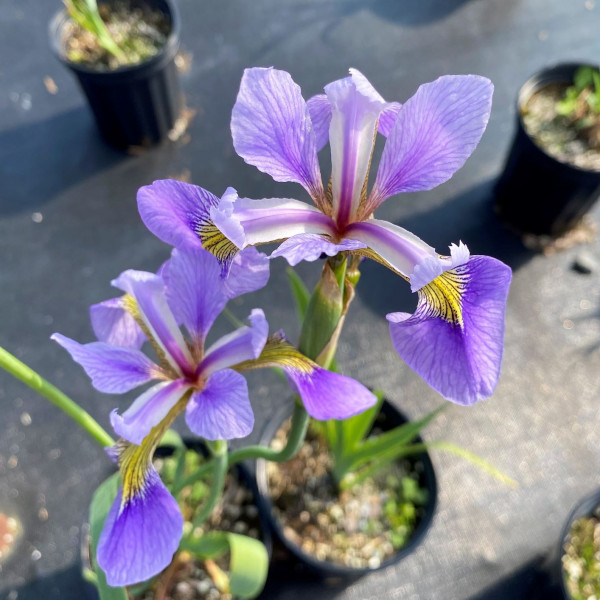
(584, 508)
(133, 105)
(390, 417)
(244, 476)
(537, 193)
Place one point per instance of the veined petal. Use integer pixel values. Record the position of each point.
(243, 344)
(355, 110)
(326, 395)
(272, 130)
(392, 245)
(249, 272)
(222, 410)
(278, 219)
(113, 370)
(194, 290)
(175, 211)
(182, 214)
(113, 323)
(144, 525)
(435, 132)
(149, 292)
(148, 410)
(454, 340)
(388, 117)
(319, 109)
(311, 246)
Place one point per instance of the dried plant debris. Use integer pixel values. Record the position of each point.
(359, 527)
(581, 559)
(188, 578)
(50, 85)
(564, 137)
(583, 233)
(138, 30)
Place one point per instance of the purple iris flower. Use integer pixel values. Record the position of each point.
(144, 526)
(454, 340)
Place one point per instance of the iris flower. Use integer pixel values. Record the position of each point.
(144, 525)
(454, 339)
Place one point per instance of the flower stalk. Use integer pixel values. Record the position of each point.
(295, 438)
(218, 449)
(36, 382)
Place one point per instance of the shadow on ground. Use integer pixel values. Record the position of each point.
(40, 160)
(533, 581)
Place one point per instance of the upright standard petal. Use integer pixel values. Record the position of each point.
(388, 117)
(435, 132)
(113, 370)
(182, 214)
(242, 344)
(272, 130)
(355, 111)
(221, 411)
(319, 109)
(149, 293)
(310, 247)
(249, 272)
(148, 410)
(454, 340)
(141, 532)
(114, 324)
(194, 290)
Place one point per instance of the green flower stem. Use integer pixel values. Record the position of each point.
(323, 313)
(196, 475)
(36, 382)
(219, 471)
(294, 442)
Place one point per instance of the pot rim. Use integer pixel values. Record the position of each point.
(334, 569)
(584, 507)
(166, 53)
(556, 73)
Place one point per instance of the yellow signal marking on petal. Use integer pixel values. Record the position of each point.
(130, 304)
(444, 295)
(215, 241)
(133, 464)
(278, 352)
(134, 461)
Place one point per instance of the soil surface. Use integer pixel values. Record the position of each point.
(358, 527)
(581, 559)
(558, 135)
(187, 578)
(137, 29)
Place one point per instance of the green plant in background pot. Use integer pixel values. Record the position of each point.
(122, 53)
(581, 105)
(552, 173)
